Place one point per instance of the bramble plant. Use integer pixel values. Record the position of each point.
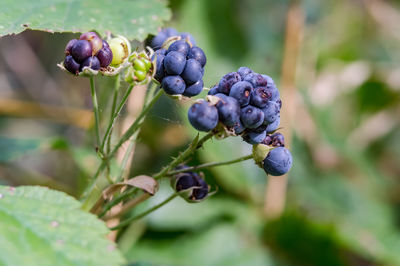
(243, 103)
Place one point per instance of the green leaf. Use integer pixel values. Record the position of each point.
(39, 226)
(132, 19)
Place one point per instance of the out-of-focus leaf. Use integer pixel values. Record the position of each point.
(12, 149)
(223, 244)
(133, 19)
(39, 226)
(304, 242)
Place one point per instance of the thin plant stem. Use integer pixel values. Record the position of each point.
(193, 146)
(114, 117)
(135, 126)
(131, 219)
(113, 107)
(95, 110)
(94, 189)
(189, 151)
(209, 165)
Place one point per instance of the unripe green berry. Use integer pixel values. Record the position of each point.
(129, 75)
(147, 63)
(138, 64)
(140, 75)
(120, 48)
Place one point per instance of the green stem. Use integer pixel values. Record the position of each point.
(208, 165)
(95, 110)
(182, 156)
(135, 126)
(114, 105)
(194, 145)
(114, 117)
(94, 189)
(129, 220)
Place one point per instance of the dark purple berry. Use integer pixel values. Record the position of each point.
(274, 125)
(95, 41)
(185, 181)
(180, 46)
(105, 56)
(251, 116)
(228, 110)
(92, 62)
(174, 63)
(173, 85)
(105, 44)
(227, 82)
(277, 140)
(260, 96)
(188, 37)
(254, 137)
(159, 54)
(257, 80)
(241, 91)
(158, 40)
(203, 116)
(192, 71)
(271, 112)
(81, 50)
(244, 71)
(213, 90)
(69, 45)
(238, 127)
(71, 65)
(194, 89)
(197, 54)
(200, 193)
(278, 161)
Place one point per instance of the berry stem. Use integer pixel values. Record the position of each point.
(113, 107)
(194, 145)
(129, 220)
(95, 111)
(94, 189)
(213, 164)
(136, 125)
(114, 117)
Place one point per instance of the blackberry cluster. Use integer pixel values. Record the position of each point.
(157, 42)
(196, 187)
(247, 104)
(180, 68)
(89, 51)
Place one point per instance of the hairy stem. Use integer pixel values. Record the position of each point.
(129, 220)
(208, 165)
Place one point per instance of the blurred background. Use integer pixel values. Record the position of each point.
(337, 67)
